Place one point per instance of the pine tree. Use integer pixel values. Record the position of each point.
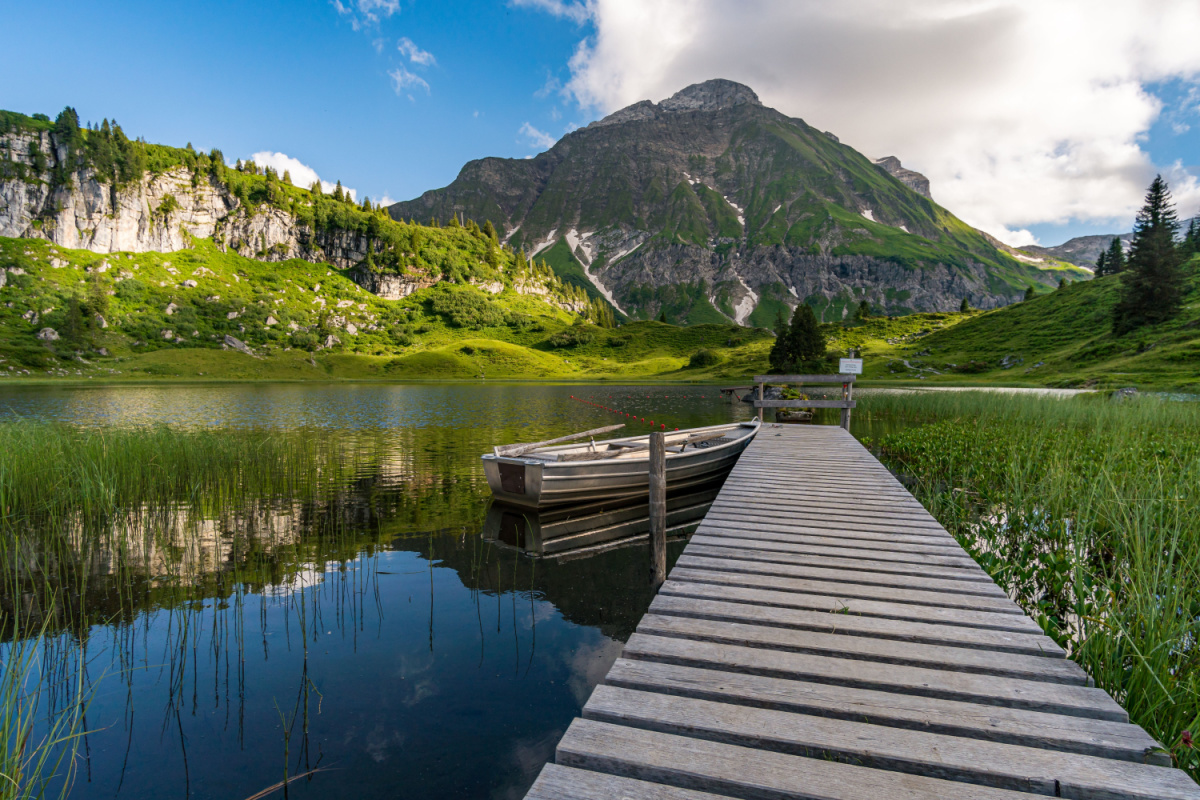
(1062, 283)
(863, 312)
(287, 177)
(1101, 264)
(1152, 285)
(1190, 245)
(662, 316)
(338, 194)
(804, 334)
(1115, 261)
(781, 357)
(315, 189)
(489, 230)
(1030, 293)
(964, 306)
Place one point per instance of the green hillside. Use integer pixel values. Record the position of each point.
(450, 330)
(1060, 338)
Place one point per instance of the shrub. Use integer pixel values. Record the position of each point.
(467, 309)
(704, 358)
(571, 337)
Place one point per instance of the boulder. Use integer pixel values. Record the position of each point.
(101, 321)
(48, 335)
(190, 284)
(167, 334)
(1126, 393)
(351, 329)
(237, 344)
(271, 321)
(331, 340)
(171, 309)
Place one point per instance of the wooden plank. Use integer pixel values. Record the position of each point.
(862, 648)
(734, 554)
(751, 520)
(1100, 738)
(1055, 698)
(805, 403)
(998, 603)
(861, 508)
(881, 628)
(556, 782)
(853, 606)
(714, 538)
(835, 378)
(696, 560)
(734, 771)
(995, 764)
(752, 528)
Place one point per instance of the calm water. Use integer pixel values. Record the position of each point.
(403, 654)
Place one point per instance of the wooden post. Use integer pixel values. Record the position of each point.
(760, 397)
(658, 508)
(846, 394)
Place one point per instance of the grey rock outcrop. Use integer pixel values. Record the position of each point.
(910, 178)
(48, 335)
(233, 343)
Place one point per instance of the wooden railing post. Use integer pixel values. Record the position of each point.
(760, 397)
(658, 508)
(846, 392)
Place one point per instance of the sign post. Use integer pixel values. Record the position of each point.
(850, 366)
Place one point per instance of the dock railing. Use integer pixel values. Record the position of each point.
(845, 404)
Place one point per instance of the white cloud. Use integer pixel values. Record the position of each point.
(303, 175)
(539, 139)
(577, 12)
(386, 200)
(1019, 111)
(403, 80)
(415, 54)
(366, 12)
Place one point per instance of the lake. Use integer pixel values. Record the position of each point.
(374, 635)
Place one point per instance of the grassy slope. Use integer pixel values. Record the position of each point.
(1063, 338)
(411, 341)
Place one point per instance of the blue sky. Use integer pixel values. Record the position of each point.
(299, 78)
(392, 97)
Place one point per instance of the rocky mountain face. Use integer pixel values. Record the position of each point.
(709, 205)
(913, 180)
(160, 212)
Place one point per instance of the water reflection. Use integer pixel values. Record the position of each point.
(369, 640)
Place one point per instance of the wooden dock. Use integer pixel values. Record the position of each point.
(822, 636)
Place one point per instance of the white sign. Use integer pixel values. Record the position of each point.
(850, 366)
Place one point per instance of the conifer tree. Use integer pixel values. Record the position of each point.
(1191, 240)
(964, 306)
(1152, 284)
(1062, 283)
(807, 343)
(1030, 293)
(315, 189)
(1101, 264)
(1115, 261)
(338, 194)
(662, 316)
(489, 230)
(287, 177)
(863, 312)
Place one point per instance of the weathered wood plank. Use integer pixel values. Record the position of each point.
(728, 549)
(1100, 738)
(900, 630)
(996, 764)
(1054, 698)
(697, 560)
(754, 528)
(556, 782)
(713, 538)
(861, 648)
(1000, 604)
(853, 606)
(742, 771)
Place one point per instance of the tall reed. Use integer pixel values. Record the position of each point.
(1088, 512)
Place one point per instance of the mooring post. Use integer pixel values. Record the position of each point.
(846, 394)
(760, 397)
(658, 508)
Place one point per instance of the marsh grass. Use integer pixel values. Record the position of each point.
(1087, 510)
(98, 523)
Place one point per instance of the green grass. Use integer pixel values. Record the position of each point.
(1085, 511)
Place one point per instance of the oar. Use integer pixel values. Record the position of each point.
(521, 449)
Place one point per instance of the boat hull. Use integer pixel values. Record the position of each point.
(535, 483)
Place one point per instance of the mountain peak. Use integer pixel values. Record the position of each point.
(711, 95)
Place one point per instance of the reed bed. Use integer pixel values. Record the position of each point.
(96, 523)
(1087, 510)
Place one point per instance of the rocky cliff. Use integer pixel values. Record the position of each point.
(709, 204)
(910, 178)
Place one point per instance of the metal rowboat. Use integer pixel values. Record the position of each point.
(614, 468)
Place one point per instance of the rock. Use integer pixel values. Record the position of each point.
(345, 303)
(48, 335)
(239, 345)
(101, 321)
(1121, 395)
(103, 351)
(171, 309)
(213, 298)
(331, 340)
(1008, 362)
(913, 180)
(3, 278)
(16, 271)
(292, 326)
(190, 284)
(231, 315)
(351, 329)
(167, 334)
(31, 317)
(271, 321)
